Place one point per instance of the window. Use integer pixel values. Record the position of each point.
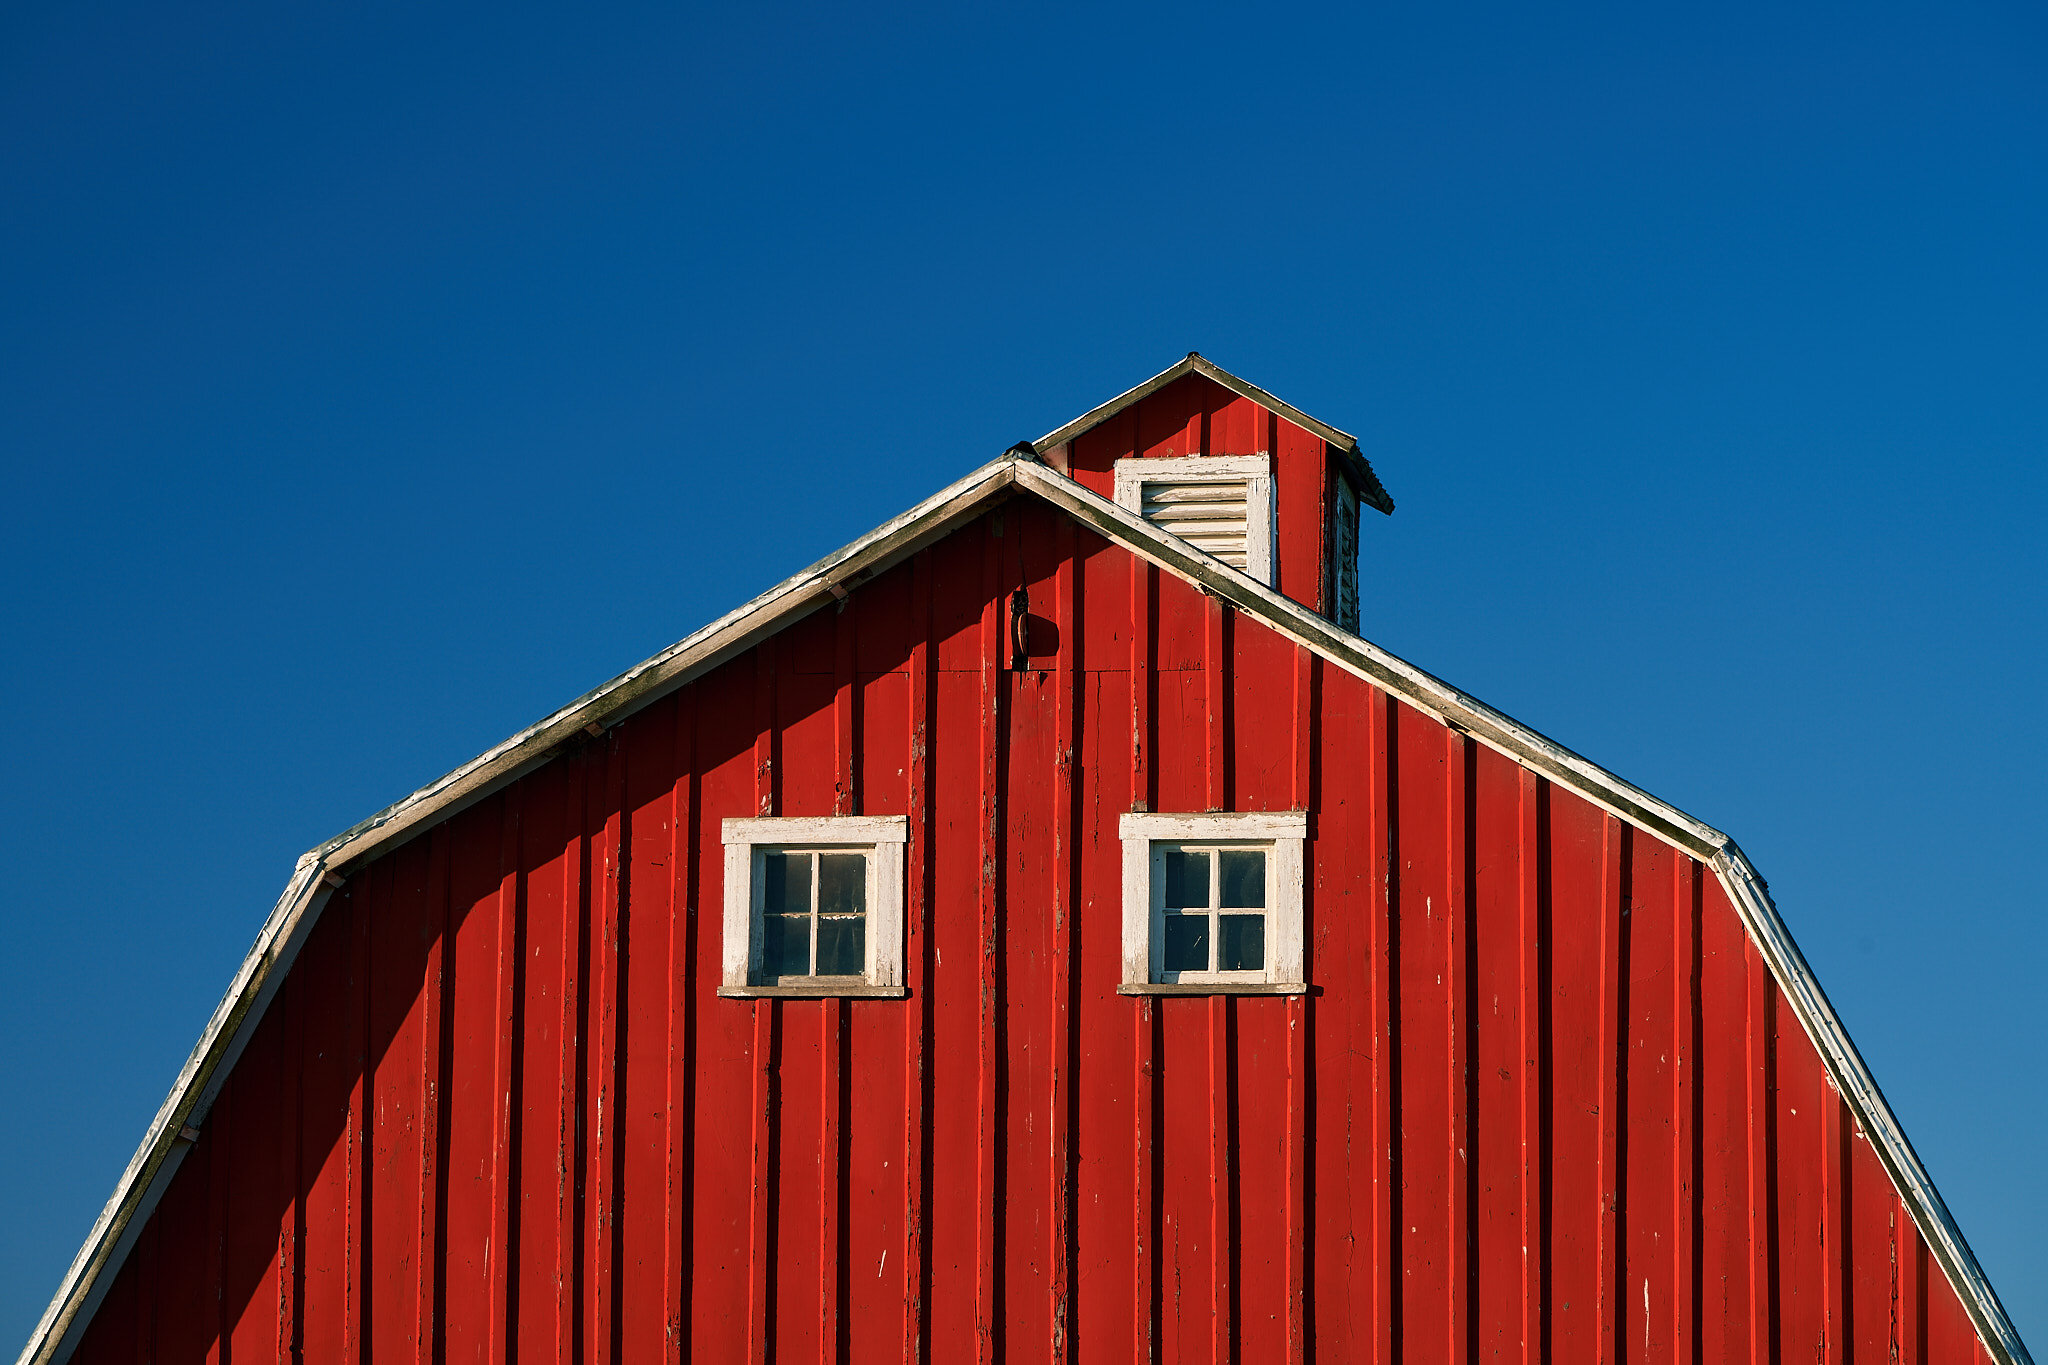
(1212, 903)
(1220, 504)
(814, 906)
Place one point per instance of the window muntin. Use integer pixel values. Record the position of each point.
(814, 912)
(814, 905)
(1211, 907)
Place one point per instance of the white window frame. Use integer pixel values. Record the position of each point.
(748, 841)
(1254, 471)
(1283, 834)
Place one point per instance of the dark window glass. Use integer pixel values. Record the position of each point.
(1240, 942)
(1187, 942)
(788, 878)
(786, 945)
(1187, 880)
(842, 945)
(842, 885)
(1244, 878)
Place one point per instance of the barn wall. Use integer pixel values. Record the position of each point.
(1544, 1101)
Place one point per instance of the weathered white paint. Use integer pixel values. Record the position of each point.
(881, 837)
(1281, 833)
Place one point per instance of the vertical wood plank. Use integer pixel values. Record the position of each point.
(684, 925)
(1216, 709)
(1685, 1108)
(1217, 1082)
(988, 1124)
(1613, 1072)
(469, 1147)
(1532, 866)
(1299, 1124)
(764, 728)
(328, 1062)
(760, 1221)
(1065, 872)
(846, 800)
(1383, 1283)
(608, 835)
(356, 1343)
(1499, 994)
(1910, 1288)
(1834, 1237)
(845, 724)
(397, 1044)
(502, 1259)
(760, 1215)
(1763, 1240)
(831, 1106)
(1460, 1229)
(1428, 1117)
(569, 1276)
(1143, 596)
(1144, 1107)
(213, 1251)
(1722, 1102)
(1652, 1219)
(148, 1258)
(429, 1312)
(917, 943)
(543, 1125)
(291, 1131)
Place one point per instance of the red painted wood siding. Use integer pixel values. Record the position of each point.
(1544, 1102)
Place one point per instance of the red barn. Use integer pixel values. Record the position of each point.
(1042, 930)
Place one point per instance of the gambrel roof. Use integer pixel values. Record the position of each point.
(1018, 473)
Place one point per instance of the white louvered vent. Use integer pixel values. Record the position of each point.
(1209, 515)
(1220, 504)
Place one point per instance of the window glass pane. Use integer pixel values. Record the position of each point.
(842, 886)
(1240, 942)
(842, 945)
(1187, 881)
(786, 944)
(1244, 878)
(1187, 942)
(788, 879)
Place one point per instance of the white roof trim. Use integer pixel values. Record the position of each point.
(148, 1172)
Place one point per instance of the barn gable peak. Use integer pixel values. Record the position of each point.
(1234, 471)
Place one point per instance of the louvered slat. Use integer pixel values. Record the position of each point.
(1210, 515)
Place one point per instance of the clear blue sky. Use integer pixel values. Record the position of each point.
(375, 378)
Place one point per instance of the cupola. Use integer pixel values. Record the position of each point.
(1260, 485)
